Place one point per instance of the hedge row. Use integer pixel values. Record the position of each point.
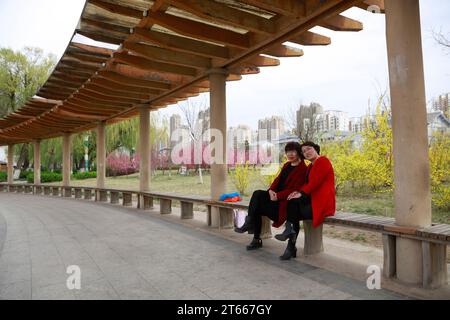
(55, 176)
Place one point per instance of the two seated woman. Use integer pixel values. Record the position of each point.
(298, 193)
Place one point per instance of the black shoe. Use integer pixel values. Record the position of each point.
(290, 252)
(255, 244)
(288, 232)
(248, 226)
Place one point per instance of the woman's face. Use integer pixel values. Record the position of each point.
(309, 153)
(292, 155)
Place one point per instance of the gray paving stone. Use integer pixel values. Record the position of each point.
(125, 255)
(57, 291)
(16, 291)
(99, 289)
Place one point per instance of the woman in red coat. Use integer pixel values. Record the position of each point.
(273, 203)
(316, 196)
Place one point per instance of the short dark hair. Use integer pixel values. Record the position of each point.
(310, 144)
(294, 146)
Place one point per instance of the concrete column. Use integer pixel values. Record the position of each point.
(101, 155)
(10, 163)
(37, 162)
(144, 149)
(409, 124)
(218, 121)
(66, 159)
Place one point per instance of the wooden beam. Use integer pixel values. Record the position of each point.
(68, 76)
(215, 11)
(182, 44)
(80, 66)
(199, 30)
(169, 56)
(86, 107)
(261, 61)
(106, 27)
(113, 93)
(89, 93)
(341, 23)
(117, 9)
(79, 115)
(92, 49)
(284, 51)
(290, 8)
(120, 79)
(309, 38)
(86, 57)
(87, 110)
(111, 85)
(155, 66)
(73, 71)
(100, 37)
(95, 105)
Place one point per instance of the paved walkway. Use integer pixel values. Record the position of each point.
(126, 254)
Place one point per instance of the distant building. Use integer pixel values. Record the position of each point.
(442, 103)
(269, 129)
(306, 117)
(204, 120)
(238, 137)
(332, 120)
(437, 122)
(358, 124)
(175, 123)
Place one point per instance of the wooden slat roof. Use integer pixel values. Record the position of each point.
(166, 50)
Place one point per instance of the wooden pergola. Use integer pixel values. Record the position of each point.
(166, 52)
(170, 50)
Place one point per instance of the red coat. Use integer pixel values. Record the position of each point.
(321, 188)
(293, 182)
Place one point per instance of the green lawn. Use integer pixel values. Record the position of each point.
(374, 204)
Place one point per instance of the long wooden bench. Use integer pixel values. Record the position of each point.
(434, 238)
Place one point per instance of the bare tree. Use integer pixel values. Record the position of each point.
(290, 120)
(190, 112)
(442, 39)
(306, 130)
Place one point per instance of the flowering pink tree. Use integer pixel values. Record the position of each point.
(118, 164)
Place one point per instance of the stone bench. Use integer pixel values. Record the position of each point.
(101, 195)
(56, 190)
(165, 200)
(78, 192)
(226, 213)
(38, 189)
(434, 238)
(47, 190)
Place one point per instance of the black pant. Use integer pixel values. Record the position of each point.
(261, 205)
(297, 210)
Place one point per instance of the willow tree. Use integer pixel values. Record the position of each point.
(21, 74)
(124, 135)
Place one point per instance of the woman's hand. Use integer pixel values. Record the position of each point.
(273, 195)
(294, 195)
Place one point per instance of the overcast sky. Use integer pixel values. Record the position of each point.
(345, 75)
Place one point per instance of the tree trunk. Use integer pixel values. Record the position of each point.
(23, 161)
